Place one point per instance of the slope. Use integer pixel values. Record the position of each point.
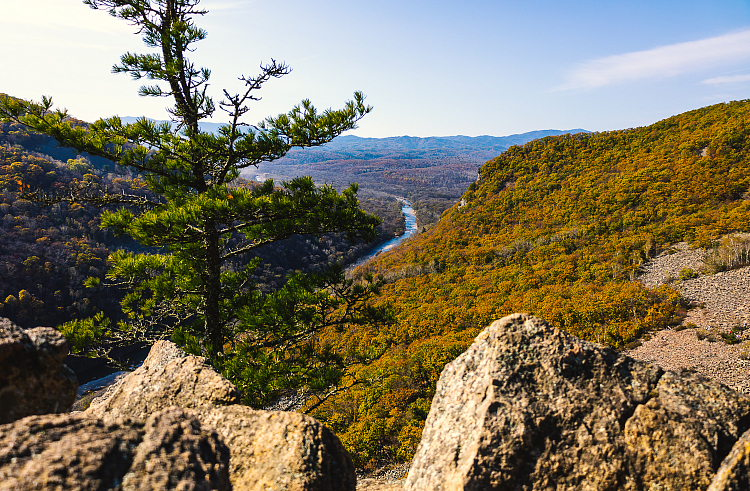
(432, 172)
(558, 227)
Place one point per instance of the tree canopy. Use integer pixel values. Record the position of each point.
(201, 228)
(558, 227)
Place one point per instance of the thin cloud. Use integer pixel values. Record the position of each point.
(664, 61)
(731, 79)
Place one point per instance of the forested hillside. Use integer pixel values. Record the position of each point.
(47, 252)
(431, 172)
(558, 227)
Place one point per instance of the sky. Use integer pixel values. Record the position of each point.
(428, 68)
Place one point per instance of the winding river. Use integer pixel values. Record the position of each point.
(410, 217)
(411, 228)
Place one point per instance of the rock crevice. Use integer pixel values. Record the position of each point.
(174, 423)
(564, 414)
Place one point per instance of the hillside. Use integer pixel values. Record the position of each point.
(559, 227)
(47, 252)
(432, 172)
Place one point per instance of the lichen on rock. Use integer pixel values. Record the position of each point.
(529, 407)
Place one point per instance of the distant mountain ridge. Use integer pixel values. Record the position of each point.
(435, 142)
(415, 142)
(463, 147)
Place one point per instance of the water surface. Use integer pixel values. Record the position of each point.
(410, 217)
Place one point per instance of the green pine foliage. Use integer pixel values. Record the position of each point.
(197, 223)
(557, 227)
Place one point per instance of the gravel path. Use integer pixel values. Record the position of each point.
(720, 301)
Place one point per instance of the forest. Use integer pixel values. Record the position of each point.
(558, 227)
(48, 252)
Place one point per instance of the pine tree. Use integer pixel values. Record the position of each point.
(198, 223)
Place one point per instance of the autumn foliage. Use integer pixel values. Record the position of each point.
(557, 227)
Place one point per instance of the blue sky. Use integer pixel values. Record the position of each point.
(429, 68)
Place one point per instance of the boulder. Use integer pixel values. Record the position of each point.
(33, 378)
(281, 450)
(734, 473)
(168, 377)
(178, 452)
(69, 451)
(270, 450)
(528, 407)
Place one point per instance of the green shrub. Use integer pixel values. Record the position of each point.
(730, 337)
(745, 350)
(687, 274)
(633, 344)
(688, 325)
(708, 335)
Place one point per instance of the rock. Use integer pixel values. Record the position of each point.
(682, 433)
(734, 473)
(528, 407)
(64, 452)
(178, 452)
(168, 377)
(376, 485)
(33, 378)
(269, 449)
(71, 451)
(281, 450)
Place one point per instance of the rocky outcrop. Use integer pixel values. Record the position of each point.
(174, 423)
(269, 449)
(33, 378)
(528, 407)
(281, 450)
(171, 451)
(734, 473)
(168, 377)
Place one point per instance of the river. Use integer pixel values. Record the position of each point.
(410, 216)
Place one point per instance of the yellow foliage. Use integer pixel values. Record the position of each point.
(558, 227)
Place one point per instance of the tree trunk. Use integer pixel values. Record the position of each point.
(214, 324)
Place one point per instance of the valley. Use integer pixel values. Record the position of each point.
(264, 282)
(432, 173)
(567, 227)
